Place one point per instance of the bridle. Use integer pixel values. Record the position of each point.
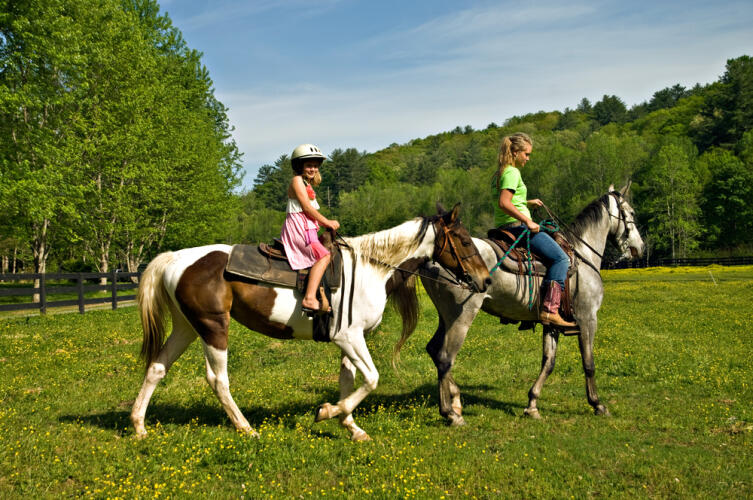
(467, 279)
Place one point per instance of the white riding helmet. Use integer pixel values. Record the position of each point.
(306, 152)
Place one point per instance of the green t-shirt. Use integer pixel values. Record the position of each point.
(511, 180)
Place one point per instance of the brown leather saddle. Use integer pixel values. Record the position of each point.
(267, 263)
(517, 262)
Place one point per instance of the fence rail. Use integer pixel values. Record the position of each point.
(703, 261)
(72, 284)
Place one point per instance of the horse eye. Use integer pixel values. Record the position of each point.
(467, 243)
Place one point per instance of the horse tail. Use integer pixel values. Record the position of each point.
(404, 298)
(153, 304)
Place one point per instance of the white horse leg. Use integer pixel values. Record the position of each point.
(549, 354)
(586, 342)
(180, 338)
(354, 348)
(347, 381)
(217, 377)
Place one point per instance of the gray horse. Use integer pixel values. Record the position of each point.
(609, 217)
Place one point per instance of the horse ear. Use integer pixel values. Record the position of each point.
(440, 209)
(455, 212)
(611, 188)
(625, 189)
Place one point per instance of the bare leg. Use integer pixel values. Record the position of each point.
(216, 364)
(353, 346)
(181, 337)
(347, 380)
(315, 277)
(585, 342)
(549, 354)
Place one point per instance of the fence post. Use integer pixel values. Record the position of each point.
(80, 286)
(42, 294)
(114, 280)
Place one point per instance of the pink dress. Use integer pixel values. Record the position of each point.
(299, 236)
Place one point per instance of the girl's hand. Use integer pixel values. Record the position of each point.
(535, 201)
(532, 226)
(332, 224)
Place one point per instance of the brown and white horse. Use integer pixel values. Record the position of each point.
(201, 298)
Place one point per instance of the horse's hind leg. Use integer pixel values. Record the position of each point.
(181, 337)
(217, 377)
(347, 382)
(549, 354)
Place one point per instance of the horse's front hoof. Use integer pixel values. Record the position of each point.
(532, 413)
(602, 411)
(455, 420)
(250, 432)
(324, 412)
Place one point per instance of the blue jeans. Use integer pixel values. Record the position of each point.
(552, 255)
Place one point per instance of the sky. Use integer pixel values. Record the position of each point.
(365, 74)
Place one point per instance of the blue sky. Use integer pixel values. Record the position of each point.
(365, 74)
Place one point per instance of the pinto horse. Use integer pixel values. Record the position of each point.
(192, 285)
(610, 217)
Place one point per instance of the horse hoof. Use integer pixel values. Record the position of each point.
(360, 437)
(139, 435)
(324, 412)
(456, 420)
(602, 410)
(532, 413)
(249, 432)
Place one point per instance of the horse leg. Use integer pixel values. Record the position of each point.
(180, 338)
(586, 342)
(549, 353)
(354, 348)
(347, 381)
(217, 377)
(443, 349)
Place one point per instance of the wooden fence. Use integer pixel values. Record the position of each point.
(70, 284)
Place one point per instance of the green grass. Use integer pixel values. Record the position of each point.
(673, 366)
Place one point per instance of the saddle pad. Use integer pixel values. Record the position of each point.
(248, 261)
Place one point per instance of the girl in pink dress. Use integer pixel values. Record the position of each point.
(299, 233)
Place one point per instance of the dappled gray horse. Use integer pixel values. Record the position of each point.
(609, 217)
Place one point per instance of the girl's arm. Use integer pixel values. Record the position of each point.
(505, 203)
(299, 190)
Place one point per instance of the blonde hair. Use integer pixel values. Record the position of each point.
(511, 145)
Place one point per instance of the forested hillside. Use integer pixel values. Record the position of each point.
(688, 152)
(113, 148)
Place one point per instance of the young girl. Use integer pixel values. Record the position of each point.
(303, 219)
(511, 213)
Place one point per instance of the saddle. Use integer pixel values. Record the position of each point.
(267, 263)
(517, 262)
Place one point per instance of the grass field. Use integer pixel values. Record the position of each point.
(673, 365)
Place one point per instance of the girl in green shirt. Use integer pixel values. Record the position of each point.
(511, 213)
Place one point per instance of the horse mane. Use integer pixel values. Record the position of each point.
(391, 246)
(592, 214)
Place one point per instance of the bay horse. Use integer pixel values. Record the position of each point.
(200, 296)
(609, 217)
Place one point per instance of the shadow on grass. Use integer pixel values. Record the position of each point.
(118, 420)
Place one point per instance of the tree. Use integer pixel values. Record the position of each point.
(671, 197)
(610, 109)
(727, 200)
